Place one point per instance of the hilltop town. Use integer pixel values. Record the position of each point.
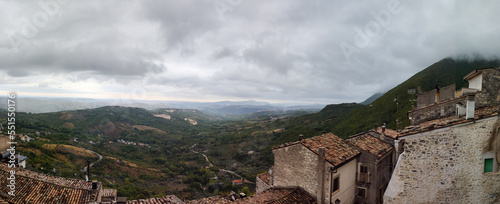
(448, 154)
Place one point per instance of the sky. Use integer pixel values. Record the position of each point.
(293, 51)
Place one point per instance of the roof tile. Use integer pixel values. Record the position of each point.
(371, 144)
(337, 151)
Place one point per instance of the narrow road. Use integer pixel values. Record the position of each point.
(92, 164)
(206, 158)
(223, 170)
(231, 172)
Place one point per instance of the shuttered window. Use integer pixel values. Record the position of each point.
(488, 165)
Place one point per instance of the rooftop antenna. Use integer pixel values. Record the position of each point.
(397, 110)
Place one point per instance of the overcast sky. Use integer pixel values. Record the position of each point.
(277, 51)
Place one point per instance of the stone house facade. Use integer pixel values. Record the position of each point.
(449, 164)
(452, 157)
(355, 170)
(375, 166)
(324, 166)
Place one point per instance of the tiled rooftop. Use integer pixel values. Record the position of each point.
(36, 191)
(371, 144)
(296, 196)
(73, 183)
(337, 151)
(273, 195)
(449, 121)
(210, 200)
(161, 200)
(266, 177)
(41, 188)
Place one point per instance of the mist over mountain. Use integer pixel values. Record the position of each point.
(221, 108)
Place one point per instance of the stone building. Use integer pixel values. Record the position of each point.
(356, 170)
(450, 152)
(483, 90)
(374, 166)
(324, 166)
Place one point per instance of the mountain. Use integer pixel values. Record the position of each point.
(231, 109)
(393, 105)
(372, 98)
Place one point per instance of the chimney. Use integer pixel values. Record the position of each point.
(382, 135)
(437, 98)
(94, 185)
(321, 176)
(301, 136)
(469, 112)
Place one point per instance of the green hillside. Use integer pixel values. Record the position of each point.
(349, 119)
(385, 110)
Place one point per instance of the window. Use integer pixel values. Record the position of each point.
(363, 174)
(361, 192)
(335, 184)
(364, 169)
(490, 162)
(488, 165)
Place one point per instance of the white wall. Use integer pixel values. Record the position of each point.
(347, 191)
(476, 82)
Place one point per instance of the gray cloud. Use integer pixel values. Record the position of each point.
(280, 50)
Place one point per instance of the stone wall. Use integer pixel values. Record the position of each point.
(446, 166)
(490, 93)
(443, 109)
(447, 92)
(429, 97)
(426, 98)
(296, 166)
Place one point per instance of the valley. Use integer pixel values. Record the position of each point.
(193, 154)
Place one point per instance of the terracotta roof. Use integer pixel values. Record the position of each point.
(273, 195)
(210, 200)
(73, 183)
(371, 144)
(161, 200)
(337, 151)
(449, 121)
(266, 177)
(37, 191)
(298, 196)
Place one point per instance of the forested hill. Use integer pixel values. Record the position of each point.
(384, 109)
(345, 120)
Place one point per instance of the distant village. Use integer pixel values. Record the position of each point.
(448, 154)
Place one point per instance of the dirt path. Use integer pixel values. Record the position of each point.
(223, 170)
(92, 164)
(206, 158)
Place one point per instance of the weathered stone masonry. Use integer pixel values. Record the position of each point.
(446, 166)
